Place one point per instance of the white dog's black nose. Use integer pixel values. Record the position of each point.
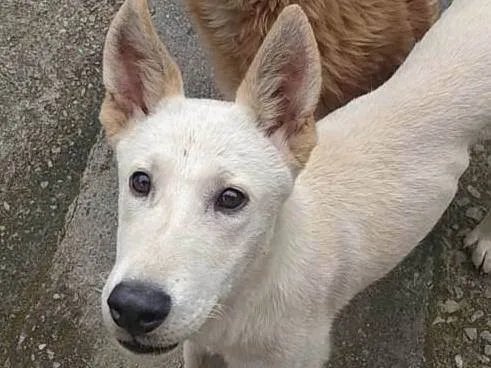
(138, 307)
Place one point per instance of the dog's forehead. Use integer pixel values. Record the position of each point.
(194, 134)
(195, 127)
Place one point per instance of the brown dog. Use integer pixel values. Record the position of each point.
(361, 42)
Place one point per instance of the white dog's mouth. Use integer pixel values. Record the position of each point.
(138, 348)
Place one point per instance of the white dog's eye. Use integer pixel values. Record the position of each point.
(231, 200)
(140, 183)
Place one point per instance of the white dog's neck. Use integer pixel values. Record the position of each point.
(273, 285)
(274, 281)
(290, 241)
(286, 247)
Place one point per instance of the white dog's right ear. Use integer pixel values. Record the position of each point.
(138, 71)
(282, 85)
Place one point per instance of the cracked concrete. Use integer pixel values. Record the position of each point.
(58, 213)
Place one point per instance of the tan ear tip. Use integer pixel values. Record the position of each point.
(292, 9)
(294, 16)
(293, 12)
(137, 3)
(137, 6)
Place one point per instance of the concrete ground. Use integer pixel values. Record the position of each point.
(58, 213)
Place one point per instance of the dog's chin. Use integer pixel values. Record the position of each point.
(138, 348)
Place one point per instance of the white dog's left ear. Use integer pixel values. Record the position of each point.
(282, 85)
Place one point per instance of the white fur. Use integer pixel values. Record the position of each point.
(262, 287)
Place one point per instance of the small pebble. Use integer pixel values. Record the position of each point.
(471, 333)
(450, 306)
(447, 243)
(56, 296)
(22, 338)
(487, 350)
(477, 315)
(462, 201)
(44, 184)
(42, 346)
(486, 335)
(458, 292)
(56, 365)
(458, 361)
(475, 213)
(438, 320)
(473, 191)
(452, 319)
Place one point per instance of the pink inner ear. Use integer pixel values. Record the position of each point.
(130, 82)
(287, 94)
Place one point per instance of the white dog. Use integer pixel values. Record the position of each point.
(244, 227)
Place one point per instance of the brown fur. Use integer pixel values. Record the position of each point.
(361, 42)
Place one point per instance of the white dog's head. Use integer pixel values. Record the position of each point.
(201, 182)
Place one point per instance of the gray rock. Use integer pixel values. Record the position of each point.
(459, 362)
(452, 319)
(450, 306)
(471, 333)
(459, 293)
(486, 335)
(438, 320)
(475, 213)
(477, 315)
(464, 201)
(473, 191)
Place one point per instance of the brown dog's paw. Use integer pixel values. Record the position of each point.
(480, 239)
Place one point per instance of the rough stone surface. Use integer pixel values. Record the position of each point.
(49, 98)
(454, 272)
(58, 214)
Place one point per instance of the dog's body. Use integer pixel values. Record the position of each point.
(248, 230)
(361, 42)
